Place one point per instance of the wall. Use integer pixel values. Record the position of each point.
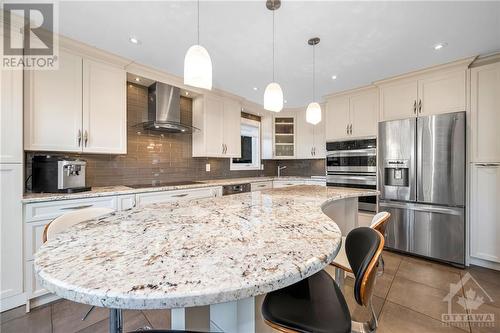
(155, 157)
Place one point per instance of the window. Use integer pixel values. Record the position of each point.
(250, 146)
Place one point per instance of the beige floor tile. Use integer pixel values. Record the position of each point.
(67, 316)
(492, 290)
(422, 298)
(12, 314)
(37, 321)
(132, 320)
(435, 264)
(158, 318)
(484, 274)
(398, 319)
(427, 274)
(491, 327)
(382, 285)
(391, 262)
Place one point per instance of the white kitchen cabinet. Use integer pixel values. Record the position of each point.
(80, 107)
(37, 215)
(104, 108)
(53, 106)
(398, 100)
(485, 212)
(363, 112)
(337, 118)
(219, 123)
(177, 195)
(428, 92)
(485, 113)
(232, 128)
(11, 116)
(11, 236)
(311, 143)
(284, 135)
(267, 135)
(286, 183)
(352, 114)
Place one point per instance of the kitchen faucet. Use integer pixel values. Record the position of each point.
(280, 168)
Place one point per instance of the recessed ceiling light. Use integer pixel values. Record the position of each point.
(255, 88)
(137, 79)
(133, 40)
(334, 77)
(439, 46)
(285, 101)
(187, 94)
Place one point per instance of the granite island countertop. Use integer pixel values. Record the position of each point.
(123, 190)
(195, 253)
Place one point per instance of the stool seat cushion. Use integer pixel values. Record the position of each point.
(315, 304)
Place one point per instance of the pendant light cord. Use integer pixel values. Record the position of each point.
(314, 71)
(198, 19)
(273, 41)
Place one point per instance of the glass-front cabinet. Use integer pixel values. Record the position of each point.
(284, 137)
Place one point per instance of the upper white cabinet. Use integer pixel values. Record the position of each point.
(485, 113)
(11, 116)
(104, 108)
(80, 107)
(352, 114)
(53, 106)
(485, 211)
(219, 122)
(284, 135)
(311, 143)
(433, 91)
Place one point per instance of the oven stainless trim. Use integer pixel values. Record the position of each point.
(350, 153)
(352, 169)
(352, 178)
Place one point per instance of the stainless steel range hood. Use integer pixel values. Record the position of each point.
(164, 110)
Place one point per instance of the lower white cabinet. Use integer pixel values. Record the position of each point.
(485, 211)
(287, 183)
(38, 215)
(177, 195)
(261, 185)
(11, 236)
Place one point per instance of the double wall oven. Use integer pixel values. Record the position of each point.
(353, 164)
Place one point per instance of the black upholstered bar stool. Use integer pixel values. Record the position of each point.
(316, 304)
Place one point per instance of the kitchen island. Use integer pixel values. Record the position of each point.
(220, 252)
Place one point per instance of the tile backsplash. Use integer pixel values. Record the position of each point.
(155, 157)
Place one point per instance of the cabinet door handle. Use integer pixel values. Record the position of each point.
(222, 148)
(350, 129)
(180, 195)
(415, 106)
(225, 149)
(486, 165)
(86, 138)
(419, 106)
(314, 151)
(76, 207)
(79, 137)
(347, 129)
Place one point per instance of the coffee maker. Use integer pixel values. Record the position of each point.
(58, 175)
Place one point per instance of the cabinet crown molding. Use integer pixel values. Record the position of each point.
(486, 60)
(457, 64)
(351, 91)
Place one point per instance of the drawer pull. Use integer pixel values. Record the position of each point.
(262, 185)
(76, 207)
(180, 195)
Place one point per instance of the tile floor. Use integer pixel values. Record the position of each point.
(407, 298)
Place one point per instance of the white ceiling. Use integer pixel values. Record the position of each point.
(360, 41)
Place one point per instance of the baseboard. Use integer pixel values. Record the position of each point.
(12, 302)
(485, 263)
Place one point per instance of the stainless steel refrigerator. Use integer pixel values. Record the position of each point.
(422, 184)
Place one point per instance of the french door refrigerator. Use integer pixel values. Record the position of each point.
(422, 184)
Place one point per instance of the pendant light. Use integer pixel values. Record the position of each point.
(273, 96)
(313, 112)
(197, 63)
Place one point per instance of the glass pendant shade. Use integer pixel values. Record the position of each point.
(198, 68)
(273, 97)
(313, 113)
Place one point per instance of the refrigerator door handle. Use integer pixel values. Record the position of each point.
(422, 208)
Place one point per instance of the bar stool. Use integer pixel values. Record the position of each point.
(67, 220)
(379, 223)
(316, 304)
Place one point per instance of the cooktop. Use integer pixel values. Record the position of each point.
(186, 182)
